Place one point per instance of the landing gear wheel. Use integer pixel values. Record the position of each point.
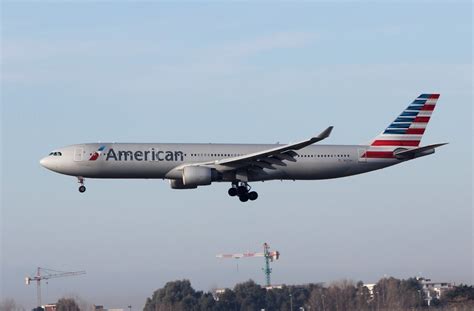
(253, 195)
(80, 180)
(243, 198)
(232, 192)
(241, 190)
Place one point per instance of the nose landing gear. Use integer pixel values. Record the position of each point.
(82, 188)
(242, 190)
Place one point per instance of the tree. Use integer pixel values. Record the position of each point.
(277, 299)
(250, 295)
(227, 301)
(67, 304)
(341, 295)
(9, 304)
(299, 296)
(459, 293)
(207, 302)
(176, 295)
(362, 297)
(395, 294)
(316, 299)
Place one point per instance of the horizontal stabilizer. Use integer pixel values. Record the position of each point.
(403, 154)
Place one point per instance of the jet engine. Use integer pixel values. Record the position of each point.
(178, 184)
(197, 176)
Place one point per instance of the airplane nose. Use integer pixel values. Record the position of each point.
(44, 162)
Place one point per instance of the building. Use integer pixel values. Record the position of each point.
(370, 287)
(434, 290)
(49, 307)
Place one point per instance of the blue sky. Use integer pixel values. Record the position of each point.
(235, 72)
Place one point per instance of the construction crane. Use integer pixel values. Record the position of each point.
(46, 274)
(269, 256)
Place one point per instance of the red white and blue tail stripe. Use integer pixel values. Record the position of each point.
(407, 129)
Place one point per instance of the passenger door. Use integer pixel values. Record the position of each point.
(78, 154)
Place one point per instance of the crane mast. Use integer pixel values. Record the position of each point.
(46, 274)
(267, 270)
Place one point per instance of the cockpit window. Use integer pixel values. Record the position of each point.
(55, 154)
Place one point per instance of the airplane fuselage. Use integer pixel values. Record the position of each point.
(148, 160)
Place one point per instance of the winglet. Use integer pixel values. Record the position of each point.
(324, 134)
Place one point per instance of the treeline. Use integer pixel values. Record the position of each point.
(63, 304)
(388, 294)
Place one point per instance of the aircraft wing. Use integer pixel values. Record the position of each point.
(260, 160)
(275, 156)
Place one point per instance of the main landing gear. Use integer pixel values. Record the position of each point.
(82, 188)
(242, 190)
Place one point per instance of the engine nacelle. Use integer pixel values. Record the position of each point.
(178, 184)
(197, 176)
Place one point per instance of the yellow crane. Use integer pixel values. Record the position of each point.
(46, 274)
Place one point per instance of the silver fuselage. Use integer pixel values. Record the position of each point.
(149, 160)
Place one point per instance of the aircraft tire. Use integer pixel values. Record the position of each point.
(253, 195)
(232, 192)
(243, 198)
(241, 190)
(82, 189)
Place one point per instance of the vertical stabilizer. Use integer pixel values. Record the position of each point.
(407, 129)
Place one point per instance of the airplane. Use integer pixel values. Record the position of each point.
(188, 166)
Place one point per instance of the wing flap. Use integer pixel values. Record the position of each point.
(262, 164)
(275, 161)
(286, 156)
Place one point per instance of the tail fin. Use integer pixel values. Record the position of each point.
(407, 129)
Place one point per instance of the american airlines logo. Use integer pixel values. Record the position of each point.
(96, 154)
(148, 155)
